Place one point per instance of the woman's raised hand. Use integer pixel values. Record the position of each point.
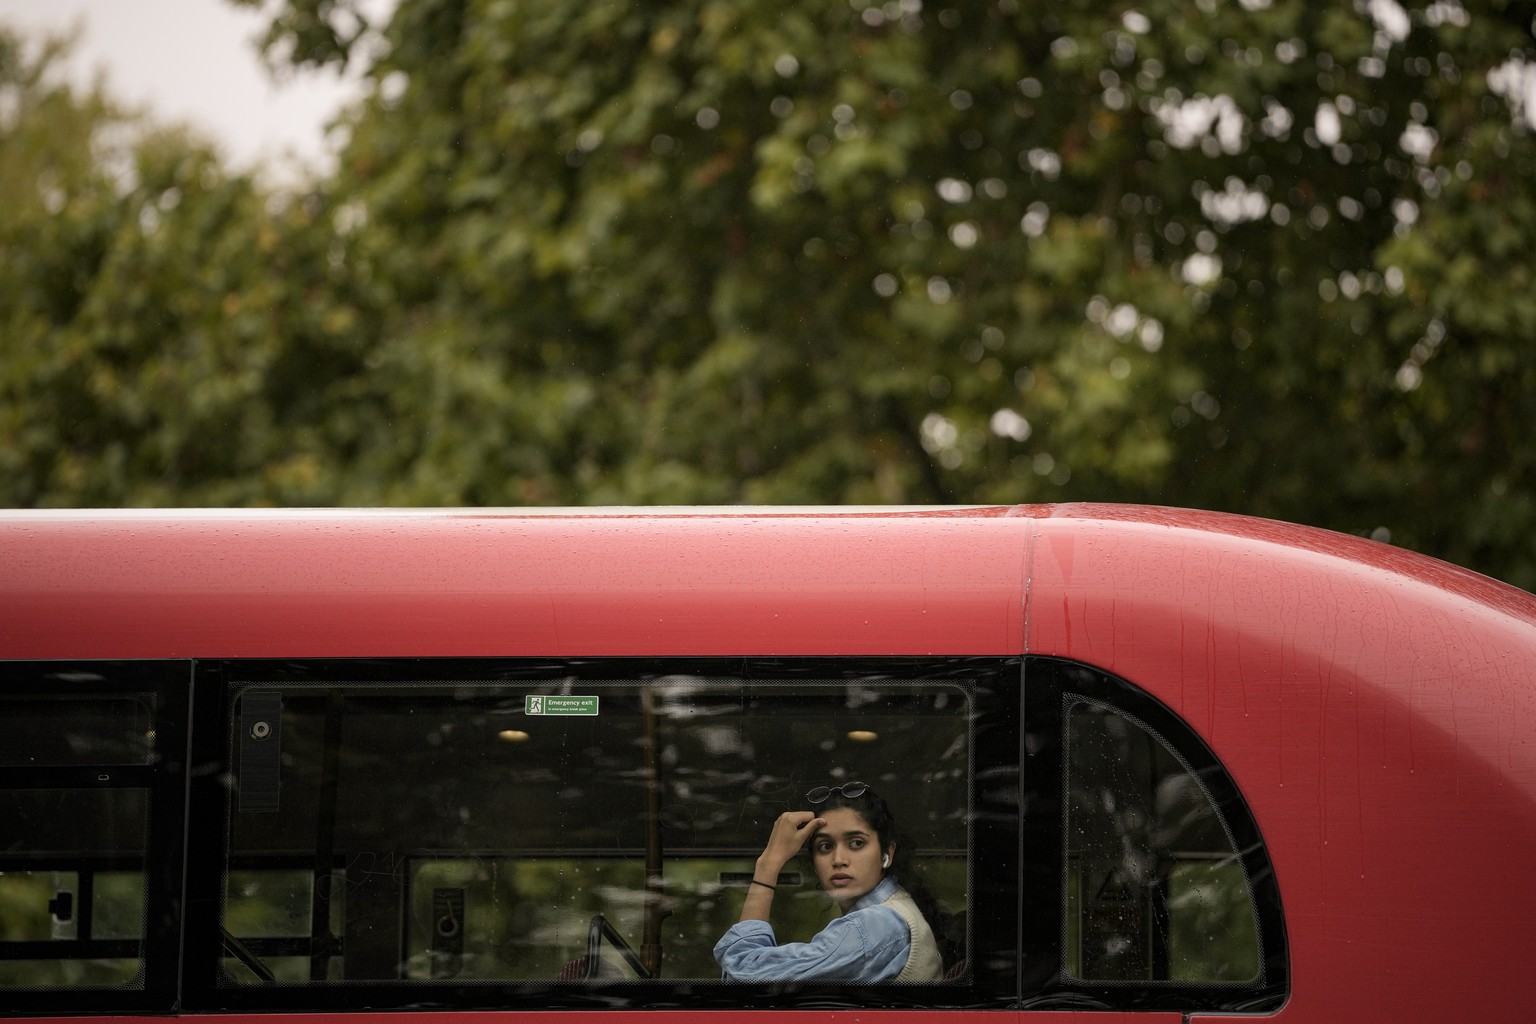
(790, 831)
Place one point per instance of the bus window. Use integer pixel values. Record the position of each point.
(72, 889)
(54, 730)
(523, 826)
(91, 806)
(1155, 887)
(1146, 871)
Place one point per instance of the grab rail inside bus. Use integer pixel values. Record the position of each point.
(599, 930)
(245, 956)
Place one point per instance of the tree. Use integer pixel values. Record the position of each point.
(169, 332)
(1255, 256)
(1261, 256)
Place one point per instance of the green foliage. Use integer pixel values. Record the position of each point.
(1263, 256)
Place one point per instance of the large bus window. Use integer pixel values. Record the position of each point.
(91, 797)
(1163, 896)
(520, 828)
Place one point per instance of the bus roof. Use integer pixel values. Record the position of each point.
(778, 581)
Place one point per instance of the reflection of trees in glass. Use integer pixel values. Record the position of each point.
(24, 897)
(118, 913)
(534, 837)
(268, 903)
(1213, 934)
(104, 824)
(261, 904)
(523, 919)
(1155, 889)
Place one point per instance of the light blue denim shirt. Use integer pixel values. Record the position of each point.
(868, 943)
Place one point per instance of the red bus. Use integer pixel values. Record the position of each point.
(1155, 765)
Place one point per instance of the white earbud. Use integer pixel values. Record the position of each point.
(885, 861)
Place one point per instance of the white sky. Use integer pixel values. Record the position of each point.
(195, 61)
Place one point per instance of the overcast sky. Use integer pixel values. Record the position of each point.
(193, 61)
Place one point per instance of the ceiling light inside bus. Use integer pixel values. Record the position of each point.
(512, 736)
(863, 735)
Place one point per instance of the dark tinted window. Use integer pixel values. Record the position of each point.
(1146, 873)
(74, 894)
(1156, 890)
(434, 832)
(506, 834)
(40, 730)
(91, 796)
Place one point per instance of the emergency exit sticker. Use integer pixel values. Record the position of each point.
(559, 705)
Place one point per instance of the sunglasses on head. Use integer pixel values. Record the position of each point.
(821, 794)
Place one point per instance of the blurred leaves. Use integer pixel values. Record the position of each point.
(1263, 256)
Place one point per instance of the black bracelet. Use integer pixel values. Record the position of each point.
(765, 885)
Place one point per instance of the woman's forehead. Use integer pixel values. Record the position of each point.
(842, 820)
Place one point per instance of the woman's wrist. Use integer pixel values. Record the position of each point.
(767, 870)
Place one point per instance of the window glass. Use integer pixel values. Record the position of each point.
(471, 918)
(274, 903)
(72, 911)
(47, 730)
(93, 794)
(1155, 890)
(475, 830)
(273, 908)
(118, 901)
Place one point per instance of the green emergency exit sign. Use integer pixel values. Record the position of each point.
(559, 705)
